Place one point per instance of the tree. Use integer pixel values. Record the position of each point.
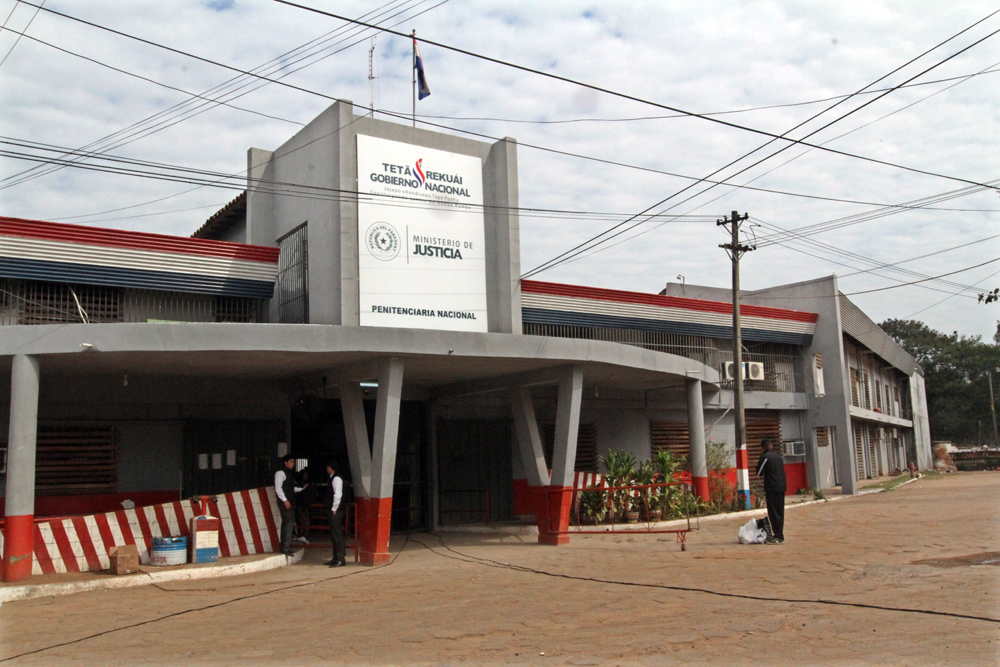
(955, 374)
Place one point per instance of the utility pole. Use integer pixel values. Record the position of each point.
(736, 250)
(993, 412)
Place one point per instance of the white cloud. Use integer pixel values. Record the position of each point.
(703, 57)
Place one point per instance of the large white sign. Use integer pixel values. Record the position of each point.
(421, 250)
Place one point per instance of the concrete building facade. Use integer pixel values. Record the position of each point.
(147, 368)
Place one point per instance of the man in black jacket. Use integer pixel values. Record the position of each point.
(771, 468)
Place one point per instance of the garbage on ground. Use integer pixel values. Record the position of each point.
(752, 533)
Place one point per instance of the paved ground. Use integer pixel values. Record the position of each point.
(486, 600)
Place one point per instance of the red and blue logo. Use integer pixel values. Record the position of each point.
(418, 168)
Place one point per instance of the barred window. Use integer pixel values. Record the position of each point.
(293, 277)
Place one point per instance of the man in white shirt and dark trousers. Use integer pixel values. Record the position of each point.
(285, 489)
(771, 468)
(336, 515)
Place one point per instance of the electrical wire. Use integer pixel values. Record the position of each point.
(24, 30)
(640, 100)
(433, 124)
(282, 64)
(487, 562)
(703, 113)
(391, 31)
(950, 273)
(148, 80)
(282, 188)
(603, 237)
(821, 246)
(206, 607)
(757, 243)
(511, 65)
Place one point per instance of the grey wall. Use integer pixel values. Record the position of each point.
(149, 415)
(324, 154)
(821, 296)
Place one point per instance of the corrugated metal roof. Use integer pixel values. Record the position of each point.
(861, 327)
(55, 252)
(658, 300)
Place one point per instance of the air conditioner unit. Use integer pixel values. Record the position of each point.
(755, 369)
(794, 448)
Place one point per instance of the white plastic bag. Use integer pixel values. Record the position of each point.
(751, 534)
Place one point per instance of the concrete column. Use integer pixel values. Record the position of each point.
(696, 435)
(552, 510)
(356, 433)
(529, 442)
(375, 510)
(20, 491)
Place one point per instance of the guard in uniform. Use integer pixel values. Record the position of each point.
(285, 489)
(336, 515)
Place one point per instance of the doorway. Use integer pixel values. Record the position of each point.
(474, 471)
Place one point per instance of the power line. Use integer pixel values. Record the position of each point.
(916, 282)
(148, 80)
(281, 188)
(877, 265)
(786, 162)
(507, 64)
(264, 78)
(765, 107)
(603, 236)
(20, 34)
(251, 74)
(642, 100)
(279, 64)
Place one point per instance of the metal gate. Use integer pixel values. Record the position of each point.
(475, 478)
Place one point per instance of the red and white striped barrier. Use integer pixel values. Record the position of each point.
(249, 519)
(588, 480)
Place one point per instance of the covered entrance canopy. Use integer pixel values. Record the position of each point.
(417, 364)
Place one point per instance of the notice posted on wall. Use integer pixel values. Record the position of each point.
(421, 249)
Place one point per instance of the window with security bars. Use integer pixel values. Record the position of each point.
(874, 445)
(855, 398)
(888, 401)
(292, 286)
(586, 446)
(761, 424)
(76, 460)
(866, 383)
(823, 436)
(859, 450)
(36, 302)
(670, 436)
(878, 395)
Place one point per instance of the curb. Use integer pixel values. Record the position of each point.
(677, 523)
(528, 530)
(29, 592)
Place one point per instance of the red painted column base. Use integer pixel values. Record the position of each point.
(374, 522)
(701, 488)
(17, 547)
(552, 506)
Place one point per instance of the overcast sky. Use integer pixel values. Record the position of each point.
(702, 57)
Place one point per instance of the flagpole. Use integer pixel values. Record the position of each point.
(414, 68)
